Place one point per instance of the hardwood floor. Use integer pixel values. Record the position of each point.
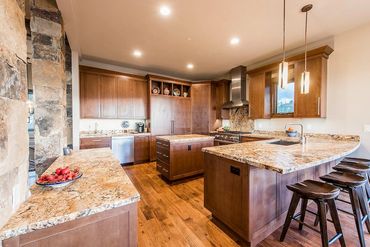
(174, 216)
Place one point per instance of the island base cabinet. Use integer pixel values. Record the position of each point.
(115, 228)
(251, 201)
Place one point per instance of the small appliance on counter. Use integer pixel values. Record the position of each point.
(140, 127)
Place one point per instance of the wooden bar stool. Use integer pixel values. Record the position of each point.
(354, 185)
(357, 160)
(321, 193)
(356, 168)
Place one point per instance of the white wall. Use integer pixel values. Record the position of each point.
(106, 124)
(348, 109)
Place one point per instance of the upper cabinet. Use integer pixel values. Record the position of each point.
(220, 96)
(268, 100)
(106, 94)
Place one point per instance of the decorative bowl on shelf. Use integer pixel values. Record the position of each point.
(291, 133)
(166, 91)
(156, 90)
(176, 92)
(185, 94)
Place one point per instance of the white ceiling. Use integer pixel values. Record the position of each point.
(199, 31)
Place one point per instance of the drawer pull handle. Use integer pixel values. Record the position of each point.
(235, 170)
(165, 155)
(159, 153)
(164, 169)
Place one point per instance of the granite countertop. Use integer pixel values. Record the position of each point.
(111, 134)
(185, 138)
(103, 186)
(286, 159)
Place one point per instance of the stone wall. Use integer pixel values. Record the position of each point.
(13, 108)
(49, 82)
(239, 120)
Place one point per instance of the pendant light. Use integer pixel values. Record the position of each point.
(283, 66)
(305, 78)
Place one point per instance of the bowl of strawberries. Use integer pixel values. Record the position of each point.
(61, 177)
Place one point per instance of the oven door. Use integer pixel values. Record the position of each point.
(222, 142)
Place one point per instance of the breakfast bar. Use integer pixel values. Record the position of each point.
(245, 184)
(98, 209)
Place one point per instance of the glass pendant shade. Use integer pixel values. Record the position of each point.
(283, 74)
(305, 82)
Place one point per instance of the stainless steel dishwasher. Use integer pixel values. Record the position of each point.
(123, 148)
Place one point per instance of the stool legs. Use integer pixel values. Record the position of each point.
(303, 212)
(335, 218)
(292, 207)
(323, 226)
(364, 206)
(357, 215)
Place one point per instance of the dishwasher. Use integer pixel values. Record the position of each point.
(123, 148)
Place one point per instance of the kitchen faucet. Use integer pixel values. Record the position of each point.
(303, 138)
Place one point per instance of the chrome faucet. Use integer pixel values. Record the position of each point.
(303, 138)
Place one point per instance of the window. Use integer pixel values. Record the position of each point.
(285, 99)
(282, 99)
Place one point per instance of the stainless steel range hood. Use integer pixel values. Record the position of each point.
(238, 88)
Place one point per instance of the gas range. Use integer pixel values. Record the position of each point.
(228, 137)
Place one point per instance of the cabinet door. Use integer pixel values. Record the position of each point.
(108, 97)
(312, 104)
(161, 115)
(222, 95)
(200, 104)
(90, 95)
(181, 116)
(125, 103)
(259, 96)
(140, 99)
(142, 147)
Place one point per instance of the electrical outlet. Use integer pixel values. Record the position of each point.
(367, 128)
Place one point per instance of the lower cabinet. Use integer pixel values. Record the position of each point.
(142, 148)
(96, 142)
(180, 160)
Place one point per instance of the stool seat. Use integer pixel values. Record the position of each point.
(315, 189)
(355, 168)
(344, 179)
(357, 160)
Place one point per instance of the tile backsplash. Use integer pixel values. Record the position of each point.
(107, 124)
(239, 120)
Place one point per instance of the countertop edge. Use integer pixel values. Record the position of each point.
(282, 170)
(65, 218)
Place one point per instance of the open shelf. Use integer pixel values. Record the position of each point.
(170, 88)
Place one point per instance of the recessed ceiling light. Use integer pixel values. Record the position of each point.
(137, 53)
(234, 41)
(165, 10)
(190, 66)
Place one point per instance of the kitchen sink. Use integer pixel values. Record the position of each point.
(284, 143)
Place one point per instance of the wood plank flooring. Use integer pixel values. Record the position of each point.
(174, 215)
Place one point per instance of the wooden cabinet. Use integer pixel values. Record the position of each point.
(125, 102)
(142, 148)
(153, 149)
(95, 142)
(253, 139)
(313, 104)
(259, 96)
(90, 95)
(220, 95)
(107, 94)
(170, 115)
(108, 97)
(201, 108)
(181, 159)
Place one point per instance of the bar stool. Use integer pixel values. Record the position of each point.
(357, 160)
(356, 168)
(321, 193)
(354, 185)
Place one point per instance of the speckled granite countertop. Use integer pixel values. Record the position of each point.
(286, 159)
(103, 186)
(111, 134)
(185, 138)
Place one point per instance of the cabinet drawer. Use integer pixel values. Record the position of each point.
(163, 168)
(163, 144)
(95, 142)
(163, 156)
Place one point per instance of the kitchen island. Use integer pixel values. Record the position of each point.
(245, 184)
(180, 156)
(99, 209)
